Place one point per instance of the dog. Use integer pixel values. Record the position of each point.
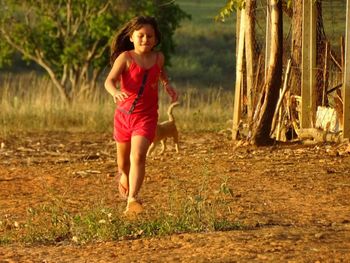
(166, 129)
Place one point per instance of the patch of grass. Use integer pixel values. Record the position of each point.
(53, 223)
(226, 225)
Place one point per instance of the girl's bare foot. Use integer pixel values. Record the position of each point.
(133, 207)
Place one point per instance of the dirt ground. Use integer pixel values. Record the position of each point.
(293, 200)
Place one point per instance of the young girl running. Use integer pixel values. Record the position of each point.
(139, 68)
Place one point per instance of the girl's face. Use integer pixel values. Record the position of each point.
(144, 39)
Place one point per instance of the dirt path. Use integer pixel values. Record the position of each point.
(292, 201)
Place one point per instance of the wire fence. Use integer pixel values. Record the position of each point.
(331, 17)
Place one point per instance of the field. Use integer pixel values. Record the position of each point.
(214, 201)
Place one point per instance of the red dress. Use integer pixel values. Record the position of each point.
(143, 119)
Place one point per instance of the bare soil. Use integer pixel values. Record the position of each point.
(292, 200)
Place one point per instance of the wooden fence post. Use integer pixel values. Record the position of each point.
(308, 81)
(267, 39)
(239, 77)
(346, 86)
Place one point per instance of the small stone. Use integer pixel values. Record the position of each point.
(319, 235)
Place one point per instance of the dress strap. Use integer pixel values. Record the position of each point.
(129, 54)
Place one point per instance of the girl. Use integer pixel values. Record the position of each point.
(138, 68)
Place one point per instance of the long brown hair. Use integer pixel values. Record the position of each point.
(121, 41)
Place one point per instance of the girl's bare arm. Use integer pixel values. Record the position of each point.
(165, 80)
(113, 77)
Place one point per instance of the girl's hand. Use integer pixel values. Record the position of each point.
(119, 96)
(172, 93)
(174, 97)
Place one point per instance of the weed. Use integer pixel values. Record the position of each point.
(53, 223)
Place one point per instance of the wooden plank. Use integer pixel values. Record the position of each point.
(308, 101)
(282, 94)
(239, 78)
(346, 86)
(267, 38)
(313, 57)
(305, 71)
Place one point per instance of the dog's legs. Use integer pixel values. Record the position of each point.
(163, 142)
(151, 148)
(176, 141)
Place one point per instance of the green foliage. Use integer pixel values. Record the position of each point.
(173, 17)
(6, 53)
(229, 8)
(70, 34)
(72, 37)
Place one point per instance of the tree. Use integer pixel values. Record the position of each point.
(70, 39)
(261, 131)
(297, 23)
(263, 121)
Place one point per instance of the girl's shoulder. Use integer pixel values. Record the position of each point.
(126, 58)
(160, 58)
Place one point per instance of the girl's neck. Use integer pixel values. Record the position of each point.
(144, 59)
(142, 54)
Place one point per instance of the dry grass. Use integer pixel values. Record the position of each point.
(31, 103)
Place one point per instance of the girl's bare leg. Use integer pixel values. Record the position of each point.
(123, 159)
(139, 147)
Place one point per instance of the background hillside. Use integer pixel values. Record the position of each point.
(204, 55)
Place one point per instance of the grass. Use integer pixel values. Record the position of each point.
(54, 223)
(30, 103)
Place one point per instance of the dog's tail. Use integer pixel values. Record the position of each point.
(170, 110)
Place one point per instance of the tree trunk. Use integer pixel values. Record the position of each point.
(261, 133)
(297, 24)
(250, 54)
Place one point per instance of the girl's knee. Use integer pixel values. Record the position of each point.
(138, 157)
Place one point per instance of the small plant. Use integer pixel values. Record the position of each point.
(188, 212)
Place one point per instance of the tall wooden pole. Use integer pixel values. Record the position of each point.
(267, 39)
(313, 57)
(239, 77)
(346, 86)
(308, 80)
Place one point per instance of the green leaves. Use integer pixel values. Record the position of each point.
(229, 8)
(72, 37)
(6, 53)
